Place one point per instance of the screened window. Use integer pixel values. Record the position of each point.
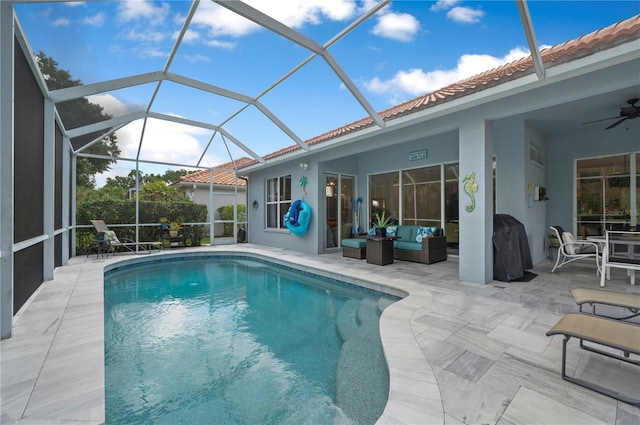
(607, 190)
(278, 200)
(421, 196)
(384, 195)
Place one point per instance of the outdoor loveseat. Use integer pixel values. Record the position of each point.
(419, 244)
(414, 243)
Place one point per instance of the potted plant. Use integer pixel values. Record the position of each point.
(164, 224)
(174, 228)
(380, 223)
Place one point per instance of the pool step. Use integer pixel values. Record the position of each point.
(361, 390)
(383, 303)
(347, 321)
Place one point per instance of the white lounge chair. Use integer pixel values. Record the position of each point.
(572, 249)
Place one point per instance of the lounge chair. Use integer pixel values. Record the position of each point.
(623, 336)
(571, 249)
(593, 297)
(114, 242)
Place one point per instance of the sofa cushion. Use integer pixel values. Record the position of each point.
(409, 246)
(355, 243)
(404, 233)
(391, 230)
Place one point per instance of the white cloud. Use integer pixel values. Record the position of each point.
(61, 22)
(189, 36)
(298, 13)
(465, 15)
(144, 36)
(397, 26)
(137, 10)
(197, 58)
(220, 22)
(152, 52)
(110, 104)
(163, 141)
(416, 82)
(96, 20)
(227, 45)
(443, 5)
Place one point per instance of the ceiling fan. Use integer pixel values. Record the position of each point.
(626, 113)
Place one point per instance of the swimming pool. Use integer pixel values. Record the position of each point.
(238, 340)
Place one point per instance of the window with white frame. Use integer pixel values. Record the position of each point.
(278, 200)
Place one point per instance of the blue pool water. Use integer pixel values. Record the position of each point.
(239, 341)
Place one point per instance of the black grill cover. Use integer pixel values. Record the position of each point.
(511, 255)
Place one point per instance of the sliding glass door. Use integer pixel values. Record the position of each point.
(607, 192)
(341, 209)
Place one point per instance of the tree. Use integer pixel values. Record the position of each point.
(129, 181)
(157, 190)
(126, 183)
(77, 113)
(169, 176)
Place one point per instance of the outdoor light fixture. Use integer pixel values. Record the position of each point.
(255, 205)
(304, 165)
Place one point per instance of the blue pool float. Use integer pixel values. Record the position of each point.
(298, 217)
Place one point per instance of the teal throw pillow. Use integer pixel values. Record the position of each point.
(391, 230)
(421, 234)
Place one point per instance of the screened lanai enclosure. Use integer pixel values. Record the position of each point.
(222, 98)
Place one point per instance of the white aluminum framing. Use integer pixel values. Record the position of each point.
(6, 167)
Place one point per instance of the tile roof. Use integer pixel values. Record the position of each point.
(586, 45)
(222, 174)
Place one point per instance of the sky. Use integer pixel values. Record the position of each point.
(407, 49)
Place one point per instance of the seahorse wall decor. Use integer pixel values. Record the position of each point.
(470, 187)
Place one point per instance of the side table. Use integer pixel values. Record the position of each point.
(380, 250)
(174, 241)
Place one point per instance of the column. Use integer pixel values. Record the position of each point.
(476, 201)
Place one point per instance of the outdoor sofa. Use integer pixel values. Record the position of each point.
(415, 243)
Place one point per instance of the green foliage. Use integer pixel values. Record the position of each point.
(381, 220)
(157, 190)
(77, 113)
(129, 181)
(86, 194)
(122, 211)
(226, 213)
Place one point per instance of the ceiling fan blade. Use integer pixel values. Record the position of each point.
(617, 122)
(603, 119)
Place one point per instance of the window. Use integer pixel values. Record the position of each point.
(606, 189)
(278, 201)
(421, 196)
(384, 196)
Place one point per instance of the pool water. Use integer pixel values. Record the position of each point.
(239, 341)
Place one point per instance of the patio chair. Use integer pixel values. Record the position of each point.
(114, 242)
(611, 335)
(572, 249)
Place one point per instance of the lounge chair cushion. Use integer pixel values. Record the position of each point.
(111, 237)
